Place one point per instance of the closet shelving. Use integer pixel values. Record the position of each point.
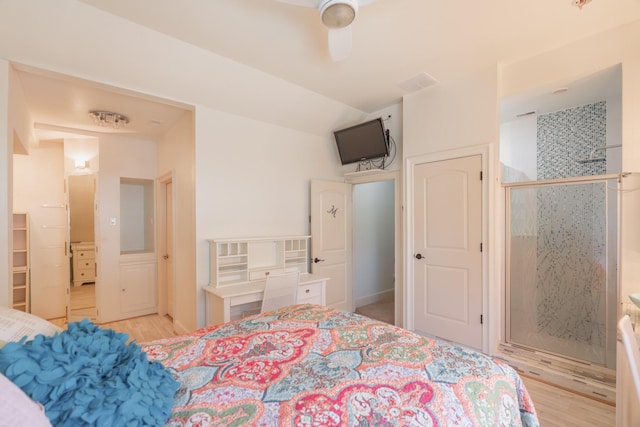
(20, 263)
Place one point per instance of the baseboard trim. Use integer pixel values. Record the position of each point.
(378, 297)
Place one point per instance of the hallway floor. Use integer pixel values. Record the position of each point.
(381, 310)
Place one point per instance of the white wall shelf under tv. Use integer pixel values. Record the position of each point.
(365, 172)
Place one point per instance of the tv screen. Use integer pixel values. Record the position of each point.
(362, 142)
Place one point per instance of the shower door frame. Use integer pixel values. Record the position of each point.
(507, 256)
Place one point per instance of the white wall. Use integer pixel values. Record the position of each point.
(176, 156)
(81, 208)
(519, 149)
(120, 157)
(452, 114)
(252, 179)
(373, 241)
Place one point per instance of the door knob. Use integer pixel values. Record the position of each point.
(419, 256)
(165, 256)
(317, 260)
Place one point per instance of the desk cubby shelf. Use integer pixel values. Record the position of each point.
(242, 260)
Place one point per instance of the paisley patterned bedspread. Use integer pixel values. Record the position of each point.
(309, 365)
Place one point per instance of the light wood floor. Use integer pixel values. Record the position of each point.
(555, 407)
(83, 301)
(561, 408)
(141, 329)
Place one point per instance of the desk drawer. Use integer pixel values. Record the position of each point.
(310, 293)
(262, 274)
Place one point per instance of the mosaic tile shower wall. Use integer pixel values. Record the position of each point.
(565, 137)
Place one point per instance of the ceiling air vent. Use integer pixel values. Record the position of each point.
(417, 82)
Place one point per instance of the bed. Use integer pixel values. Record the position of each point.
(304, 365)
(310, 365)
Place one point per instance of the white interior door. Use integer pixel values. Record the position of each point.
(39, 190)
(168, 257)
(68, 249)
(331, 240)
(447, 249)
(98, 245)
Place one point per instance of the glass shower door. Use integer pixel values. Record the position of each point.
(562, 268)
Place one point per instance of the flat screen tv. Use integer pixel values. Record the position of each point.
(361, 142)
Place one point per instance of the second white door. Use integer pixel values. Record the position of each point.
(447, 254)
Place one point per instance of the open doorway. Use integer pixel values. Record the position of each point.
(376, 225)
(58, 107)
(373, 250)
(166, 225)
(82, 290)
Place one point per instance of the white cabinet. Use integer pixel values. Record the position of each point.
(20, 263)
(239, 268)
(83, 262)
(138, 284)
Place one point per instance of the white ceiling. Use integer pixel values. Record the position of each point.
(60, 105)
(393, 40)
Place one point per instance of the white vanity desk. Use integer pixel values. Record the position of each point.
(222, 300)
(239, 267)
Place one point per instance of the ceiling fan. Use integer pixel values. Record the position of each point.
(337, 16)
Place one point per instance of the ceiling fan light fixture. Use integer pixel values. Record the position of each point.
(338, 13)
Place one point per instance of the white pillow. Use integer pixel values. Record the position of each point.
(17, 409)
(16, 324)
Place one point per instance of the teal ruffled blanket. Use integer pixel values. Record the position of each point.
(87, 375)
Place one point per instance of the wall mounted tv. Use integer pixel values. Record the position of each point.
(361, 142)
